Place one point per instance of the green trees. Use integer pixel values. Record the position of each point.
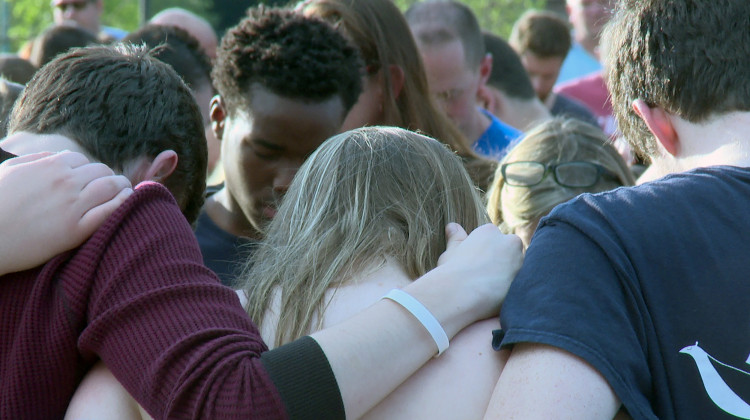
(496, 16)
(27, 18)
(23, 19)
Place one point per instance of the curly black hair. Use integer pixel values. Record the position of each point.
(291, 55)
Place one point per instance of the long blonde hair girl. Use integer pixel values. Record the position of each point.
(364, 195)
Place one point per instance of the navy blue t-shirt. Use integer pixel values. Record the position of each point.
(651, 286)
(225, 254)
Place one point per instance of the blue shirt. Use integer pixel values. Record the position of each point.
(496, 140)
(577, 63)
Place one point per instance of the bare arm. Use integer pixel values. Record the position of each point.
(543, 382)
(469, 285)
(51, 203)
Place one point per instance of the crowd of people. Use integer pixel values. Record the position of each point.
(337, 209)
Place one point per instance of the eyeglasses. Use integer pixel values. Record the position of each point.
(76, 5)
(576, 174)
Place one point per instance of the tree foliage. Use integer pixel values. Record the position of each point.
(496, 16)
(28, 18)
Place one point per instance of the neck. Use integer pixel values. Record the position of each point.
(474, 130)
(722, 140)
(524, 114)
(590, 45)
(227, 214)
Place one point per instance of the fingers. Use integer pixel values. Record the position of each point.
(27, 158)
(99, 199)
(454, 235)
(69, 159)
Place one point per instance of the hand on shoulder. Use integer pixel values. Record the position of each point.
(52, 203)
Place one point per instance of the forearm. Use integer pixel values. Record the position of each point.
(367, 353)
(375, 351)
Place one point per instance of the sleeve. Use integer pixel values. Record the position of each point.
(178, 340)
(574, 295)
(5, 155)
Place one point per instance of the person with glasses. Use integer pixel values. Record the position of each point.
(556, 161)
(87, 14)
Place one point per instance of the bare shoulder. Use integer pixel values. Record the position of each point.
(457, 385)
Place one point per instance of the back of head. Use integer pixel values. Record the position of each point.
(364, 195)
(542, 33)
(15, 69)
(198, 27)
(383, 37)
(120, 104)
(290, 55)
(177, 48)
(436, 22)
(508, 74)
(59, 39)
(9, 92)
(551, 142)
(692, 61)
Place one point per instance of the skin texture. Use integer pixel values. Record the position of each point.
(263, 147)
(78, 197)
(543, 72)
(469, 284)
(192, 23)
(88, 17)
(588, 17)
(455, 86)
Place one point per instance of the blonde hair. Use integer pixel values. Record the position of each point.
(380, 31)
(364, 195)
(554, 141)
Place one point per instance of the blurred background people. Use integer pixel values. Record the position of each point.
(457, 66)
(87, 14)
(508, 93)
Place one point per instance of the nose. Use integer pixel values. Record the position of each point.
(284, 177)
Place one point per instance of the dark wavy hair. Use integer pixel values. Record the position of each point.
(120, 103)
(291, 55)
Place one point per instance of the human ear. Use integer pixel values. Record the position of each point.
(218, 114)
(162, 166)
(659, 123)
(485, 69)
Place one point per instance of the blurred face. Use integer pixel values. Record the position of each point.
(542, 72)
(588, 17)
(86, 13)
(264, 145)
(369, 107)
(454, 85)
(203, 95)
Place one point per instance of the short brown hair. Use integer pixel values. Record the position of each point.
(542, 33)
(689, 58)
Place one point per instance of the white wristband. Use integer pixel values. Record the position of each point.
(423, 315)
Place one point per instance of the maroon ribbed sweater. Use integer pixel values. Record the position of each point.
(137, 295)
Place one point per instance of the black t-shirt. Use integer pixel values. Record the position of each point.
(651, 286)
(5, 155)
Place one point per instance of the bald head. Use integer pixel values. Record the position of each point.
(198, 27)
